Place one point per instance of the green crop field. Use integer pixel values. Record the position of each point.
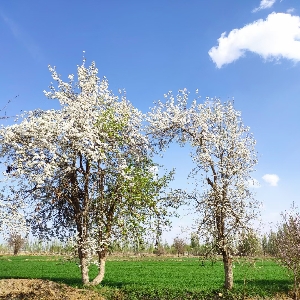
(156, 278)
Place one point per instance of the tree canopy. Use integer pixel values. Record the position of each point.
(224, 156)
(85, 169)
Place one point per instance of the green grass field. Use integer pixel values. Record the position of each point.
(155, 278)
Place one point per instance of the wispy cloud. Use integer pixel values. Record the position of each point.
(271, 179)
(274, 38)
(290, 10)
(22, 37)
(264, 4)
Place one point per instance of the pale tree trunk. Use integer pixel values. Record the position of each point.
(296, 286)
(84, 267)
(101, 267)
(101, 270)
(227, 260)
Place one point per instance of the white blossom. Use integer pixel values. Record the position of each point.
(84, 167)
(224, 156)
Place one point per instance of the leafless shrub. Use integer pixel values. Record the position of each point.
(179, 245)
(16, 241)
(249, 244)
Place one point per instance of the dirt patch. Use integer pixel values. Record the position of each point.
(37, 289)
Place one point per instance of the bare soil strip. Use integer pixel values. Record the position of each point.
(37, 289)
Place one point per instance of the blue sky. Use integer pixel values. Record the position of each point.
(249, 50)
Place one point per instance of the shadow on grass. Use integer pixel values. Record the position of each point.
(75, 282)
(264, 286)
(260, 287)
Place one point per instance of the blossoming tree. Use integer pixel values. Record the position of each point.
(12, 220)
(85, 169)
(288, 245)
(224, 156)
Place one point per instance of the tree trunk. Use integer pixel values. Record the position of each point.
(101, 270)
(296, 287)
(84, 267)
(227, 260)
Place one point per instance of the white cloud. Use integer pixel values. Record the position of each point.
(264, 4)
(276, 37)
(290, 10)
(272, 179)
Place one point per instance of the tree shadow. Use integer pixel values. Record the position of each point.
(265, 285)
